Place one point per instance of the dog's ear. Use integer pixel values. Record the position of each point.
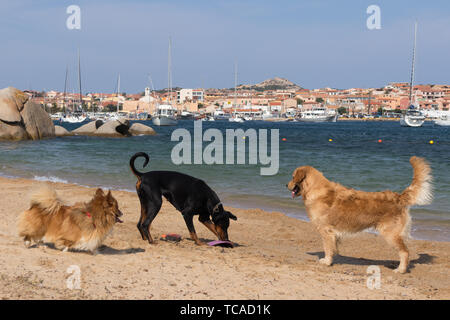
(109, 197)
(232, 216)
(299, 175)
(99, 193)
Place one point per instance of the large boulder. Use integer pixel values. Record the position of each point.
(138, 129)
(114, 128)
(12, 132)
(88, 128)
(12, 101)
(38, 123)
(61, 132)
(22, 119)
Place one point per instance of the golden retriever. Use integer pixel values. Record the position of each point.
(336, 210)
(82, 226)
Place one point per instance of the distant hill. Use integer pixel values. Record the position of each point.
(271, 84)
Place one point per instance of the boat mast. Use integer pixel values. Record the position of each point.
(169, 72)
(118, 92)
(235, 84)
(65, 89)
(413, 62)
(79, 80)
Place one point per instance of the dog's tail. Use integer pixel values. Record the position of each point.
(133, 158)
(46, 199)
(420, 191)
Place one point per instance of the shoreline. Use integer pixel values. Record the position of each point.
(275, 258)
(427, 231)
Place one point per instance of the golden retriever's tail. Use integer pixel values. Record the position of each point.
(420, 191)
(46, 199)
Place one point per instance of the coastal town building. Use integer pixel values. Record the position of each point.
(250, 99)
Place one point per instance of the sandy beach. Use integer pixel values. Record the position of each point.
(275, 258)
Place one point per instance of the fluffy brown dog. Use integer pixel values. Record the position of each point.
(336, 210)
(82, 226)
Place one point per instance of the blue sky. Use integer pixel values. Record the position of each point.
(314, 43)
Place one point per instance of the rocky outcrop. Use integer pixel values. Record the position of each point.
(62, 132)
(138, 129)
(271, 84)
(22, 119)
(38, 123)
(113, 128)
(88, 128)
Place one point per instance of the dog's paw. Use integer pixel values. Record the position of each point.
(326, 261)
(400, 270)
(27, 244)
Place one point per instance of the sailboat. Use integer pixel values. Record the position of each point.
(443, 121)
(116, 115)
(413, 117)
(165, 113)
(77, 115)
(235, 117)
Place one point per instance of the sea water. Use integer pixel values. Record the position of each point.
(371, 156)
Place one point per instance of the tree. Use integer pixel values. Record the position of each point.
(380, 110)
(342, 110)
(319, 100)
(300, 101)
(110, 108)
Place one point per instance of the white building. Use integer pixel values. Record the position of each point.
(147, 96)
(190, 95)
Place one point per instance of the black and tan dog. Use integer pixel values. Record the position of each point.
(189, 195)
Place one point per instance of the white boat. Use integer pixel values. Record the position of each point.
(443, 121)
(117, 116)
(236, 119)
(220, 115)
(165, 116)
(73, 118)
(413, 117)
(186, 115)
(56, 116)
(267, 115)
(318, 114)
(208, 118)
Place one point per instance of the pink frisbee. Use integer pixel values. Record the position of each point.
(220, 243)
